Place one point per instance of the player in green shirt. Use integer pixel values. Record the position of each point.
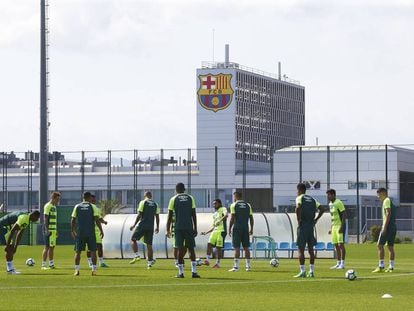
(241, 214)
(182, 205)
(84, 217)
(11, 229)
(99, 245)
(50, 230)
(147, 211)
(218, 233)
(388, 231)
(306, 208)
(338, 216)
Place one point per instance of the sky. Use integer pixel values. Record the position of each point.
(123, 72)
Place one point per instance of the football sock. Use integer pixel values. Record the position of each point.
(100, 259)
(9, 265)
(43, 263)
(136, 254)
(236, 263)
(311, 268)
(392, 264)
(381, 263)
(302, 268)
(208, 257)
(93, 267)
(77, 267)
(193, 267)
(180, 268)
(51, 263)
(247, 263)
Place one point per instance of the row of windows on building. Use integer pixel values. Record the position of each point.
(269, 85)
(247, 112)
(270, 100)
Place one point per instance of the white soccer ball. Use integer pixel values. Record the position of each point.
(350, 275)
(199, 262)
(274, 262)
(30, 262)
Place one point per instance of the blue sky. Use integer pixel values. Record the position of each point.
(122, 73)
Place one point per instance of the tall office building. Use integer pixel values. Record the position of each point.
(247, 111)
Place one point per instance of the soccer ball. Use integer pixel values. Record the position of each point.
(30, 262)
(199, 262)
(350, 275)
(274, 262)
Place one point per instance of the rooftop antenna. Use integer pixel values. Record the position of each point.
(279, 65)
(227, 55)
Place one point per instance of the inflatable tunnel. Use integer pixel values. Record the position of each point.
(281, 227)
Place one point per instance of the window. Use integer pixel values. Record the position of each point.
(353, 185)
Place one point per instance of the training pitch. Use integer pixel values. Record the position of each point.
(123, 286)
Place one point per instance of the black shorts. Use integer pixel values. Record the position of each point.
(387, 238)
(3, 232)
(148, 235)
(305, 236)
(184, 238)
(240, 236)
(81, 242)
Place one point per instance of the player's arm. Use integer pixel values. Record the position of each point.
(298, 211)
(157, 221)
(194, 217)
(231, 224)
(387, 220)
(18, 238)
(137, 219)
(73, 226)
(169, 221)
(321, 211)
(207, 232)
(251, 224)
(47, 225)
(98, 223)
(342, 215)
(14, 229)
(103, 221)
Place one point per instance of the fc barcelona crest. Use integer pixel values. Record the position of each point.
(215, 92)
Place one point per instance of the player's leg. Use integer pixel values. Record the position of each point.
(136, 236)
(219, 247)
(246, 247)
(190, 243)
(380, 248)
(45, 252)
(79, 246)
(236, 241)
(390, 245)
(301, 243)
(91, 241)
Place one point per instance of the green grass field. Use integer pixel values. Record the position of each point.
(133, 287)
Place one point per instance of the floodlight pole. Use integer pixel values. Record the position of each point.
(44, 148)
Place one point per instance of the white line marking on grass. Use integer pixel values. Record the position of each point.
(199, 284)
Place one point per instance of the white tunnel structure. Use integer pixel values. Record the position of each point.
(281, 227)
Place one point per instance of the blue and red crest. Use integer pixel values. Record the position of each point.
(215, 92)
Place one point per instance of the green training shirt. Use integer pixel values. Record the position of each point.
(335, 208)
(309, 206)
(148, 209)
(51, 211)
(7, 221)
(219, 226)
(182, 205)
(241, 211)
(85, 214)
(387, 204)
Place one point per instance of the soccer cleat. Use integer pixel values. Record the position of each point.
(378, 270)
(180, 276)
(206, 262)
(340, 267)
(216, 266)
(389, 270)
(247, 269)
(300, 275)
(310, 274)
(94, 273)
(45, 268)
(13, 272)
(234, 269)
(194, 275)
(135, 260)
(52, 267)
(103, 265)
(76, 273)
(334, 267)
